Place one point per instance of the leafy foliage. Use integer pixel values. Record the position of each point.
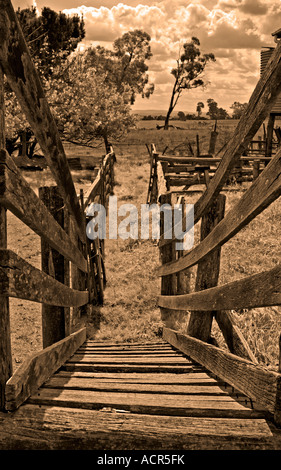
(238, 109)
(51, 36)
(125, 65)
(214, 111)
(87, 106)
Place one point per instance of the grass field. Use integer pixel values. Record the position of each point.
(130, 309)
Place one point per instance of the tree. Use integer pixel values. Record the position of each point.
(100, 85)
(187, 73)
(181, 116)
(238, 109)
(214, 111)
(199, 107)
(87, 108)
(125, 65)
(51, 38)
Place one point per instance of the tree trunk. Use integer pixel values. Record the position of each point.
(171, 107)
(167, 119)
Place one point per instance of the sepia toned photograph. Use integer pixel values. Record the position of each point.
(140, 228)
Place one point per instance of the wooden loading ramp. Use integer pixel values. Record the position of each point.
(136, 396)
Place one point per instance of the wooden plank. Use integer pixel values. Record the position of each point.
(146, 368)
(5, 330)
(140, 353)
(128, 347)
(253, 380)
(264, 190)
(56, 428)
(88, 358)
(207, 406)
(20, 279)
(204, 159)
(78, 383)
(191, 378)
(17, 196)
(39, 367)
(258, 290)
(207, 272)
(129, 344)
(23, 79)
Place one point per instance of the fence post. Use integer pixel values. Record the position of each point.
(269, 137)
(167, 254)
(5, 338)
(78, 278)
(256, 169)
(183, 277)
(52, 263)
(200, 323)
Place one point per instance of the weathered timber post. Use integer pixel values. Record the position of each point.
(256, 169)
(183, 277)
(213, 140)
(78, 278)
(200, 323)
(269, 137)
(52, 263)
(5, 335)
(154, 187)
(167, 254)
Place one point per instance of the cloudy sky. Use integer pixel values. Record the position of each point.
(234, 30)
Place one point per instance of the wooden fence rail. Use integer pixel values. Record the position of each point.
(239, 367)
(69, 279)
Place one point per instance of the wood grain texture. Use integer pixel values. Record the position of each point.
(199, 326)
(20, 279)
(146, 403)
(57, 428)
(258, 290)
(39, 367)
(53, 263)
(264, 190)
(17, 196)
(253, 380)
(5, 329)
(193, 388)
(23, 79)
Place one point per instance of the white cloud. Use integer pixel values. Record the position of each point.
(234, 30)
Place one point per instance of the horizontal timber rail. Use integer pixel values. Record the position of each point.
(208, 299)
(72, 274)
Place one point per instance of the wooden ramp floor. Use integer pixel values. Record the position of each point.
(137, 396)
